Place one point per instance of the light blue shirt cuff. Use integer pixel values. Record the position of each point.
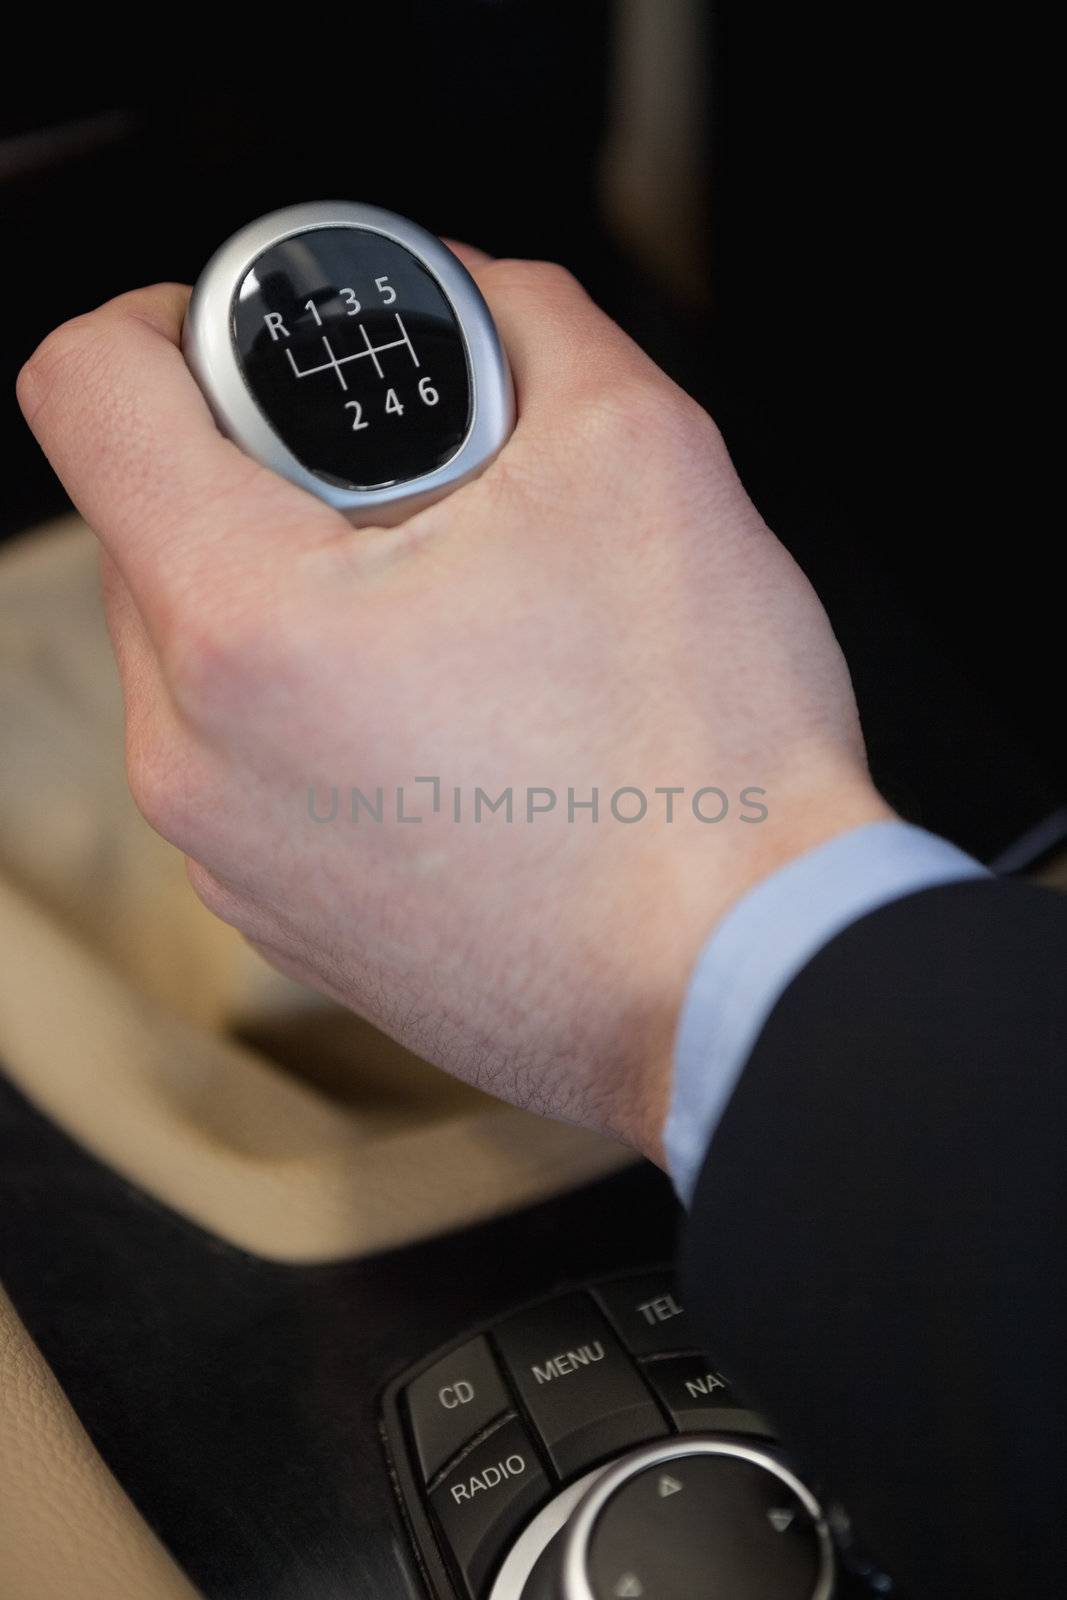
(758, 949)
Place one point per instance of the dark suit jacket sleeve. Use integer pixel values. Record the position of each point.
(877, 1243)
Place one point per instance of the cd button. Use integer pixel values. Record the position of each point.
(452, 1402)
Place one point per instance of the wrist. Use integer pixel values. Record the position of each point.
(701, 899)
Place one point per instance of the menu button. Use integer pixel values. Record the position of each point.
(582, 1391)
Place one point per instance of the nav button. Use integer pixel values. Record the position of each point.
(699, 1398)
(483, 1501)
(452, 1401)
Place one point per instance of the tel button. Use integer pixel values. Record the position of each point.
(483, 1501)
(452, 1401)
(648, 1313)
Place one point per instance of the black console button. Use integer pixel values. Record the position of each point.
(647, 1313)
(452, 1401)
(578, 1384)
(700, 1399)
(483, 1501)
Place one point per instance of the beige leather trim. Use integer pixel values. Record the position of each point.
(235, 1144)
(159, 1041)
(66, 1528)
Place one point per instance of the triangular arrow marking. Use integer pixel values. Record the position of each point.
(629, 1587)
(668, 1485)
(780, 1520)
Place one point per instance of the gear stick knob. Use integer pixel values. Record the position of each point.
(349, 350)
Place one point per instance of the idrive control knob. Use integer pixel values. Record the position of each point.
(677, 1520)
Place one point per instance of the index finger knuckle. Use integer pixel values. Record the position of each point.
(69, 359)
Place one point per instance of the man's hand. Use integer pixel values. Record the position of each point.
(602, 610)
